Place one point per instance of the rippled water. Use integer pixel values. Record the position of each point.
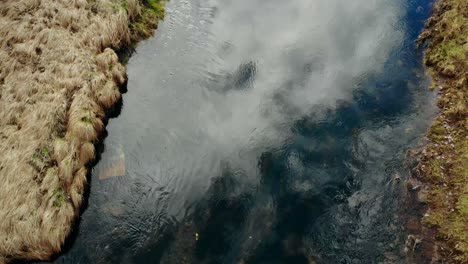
(272, 129)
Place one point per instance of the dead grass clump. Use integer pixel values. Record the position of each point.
(133, 9)
(60, 149)
(106, 60)
(58, 75)
(85, 117)
(108, 95)
(66, 170)
(118, 74)
(86, 153)
(78, 187)
(51, 180)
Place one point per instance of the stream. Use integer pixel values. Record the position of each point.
(262, 132)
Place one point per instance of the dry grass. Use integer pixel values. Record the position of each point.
(58, 75)
(444, 161)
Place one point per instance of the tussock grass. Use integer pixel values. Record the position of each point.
(60, 149)
(58, 74)
(78, 187)
(86, 153)
(444, 161)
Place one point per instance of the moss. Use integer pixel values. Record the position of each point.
(157, 6)
(152, 12)
(120, 5)
(41, 158)
(42, 153)
(449, 37)
(462, 205)
(435, 170)
(446, 171)
(444, 165)
(87, 119)
(437, 130)
(454, 49)
(60, 197)
(45, 151)
(124, 5)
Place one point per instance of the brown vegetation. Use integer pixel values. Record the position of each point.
(58, 75)
(443, 166)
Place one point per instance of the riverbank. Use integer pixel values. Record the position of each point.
(442, 170)
(59, 77)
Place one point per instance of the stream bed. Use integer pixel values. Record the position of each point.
(262, 132)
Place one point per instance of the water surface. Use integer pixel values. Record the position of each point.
(272, 129)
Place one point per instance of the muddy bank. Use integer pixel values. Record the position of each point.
(59, 76)
(439, 186)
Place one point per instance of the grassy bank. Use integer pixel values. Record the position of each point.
(443, 167)
(59, 73)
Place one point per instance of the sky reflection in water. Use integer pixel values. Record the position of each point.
(271, 128)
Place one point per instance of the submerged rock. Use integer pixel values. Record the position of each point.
(114, 166)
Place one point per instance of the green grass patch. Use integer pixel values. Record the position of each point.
(157, 6)
(152, 11)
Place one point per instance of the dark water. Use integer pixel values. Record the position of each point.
(272, 129)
